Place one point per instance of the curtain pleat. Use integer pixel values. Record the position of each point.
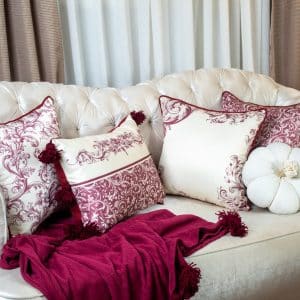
(160, 37)
(4, 54)
(123, 42)
(31, 44)
(181, 33)
(285, 42)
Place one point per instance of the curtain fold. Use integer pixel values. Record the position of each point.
(123, 42)
(30, 41)
(285, 42)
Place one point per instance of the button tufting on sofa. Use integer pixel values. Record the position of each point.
(265, 264)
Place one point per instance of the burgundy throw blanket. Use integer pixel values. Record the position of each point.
(140, 258)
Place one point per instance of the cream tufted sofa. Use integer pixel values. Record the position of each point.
(263, 265)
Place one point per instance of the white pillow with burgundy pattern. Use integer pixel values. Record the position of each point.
(112, 175)
(204, 152)
(29, 186)
(281, 125)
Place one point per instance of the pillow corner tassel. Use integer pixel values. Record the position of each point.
(138, 116)
(51, 155)
(232, 222)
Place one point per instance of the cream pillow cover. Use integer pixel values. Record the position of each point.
(28, 186)
(112, 175)
(204, 152)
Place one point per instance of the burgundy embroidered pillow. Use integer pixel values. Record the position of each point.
(204, 152)
(111, 175)
(29, 186)
(282, 123)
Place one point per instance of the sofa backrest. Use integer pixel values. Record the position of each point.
(84, 111)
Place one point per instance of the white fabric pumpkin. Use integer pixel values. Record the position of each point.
(272, 177)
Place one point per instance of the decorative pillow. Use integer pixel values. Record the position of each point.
(282, 123)
(29, 186)
(204, 152)
(276, 182)
(111, 175)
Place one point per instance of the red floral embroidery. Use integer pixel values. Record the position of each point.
(104, 148)
(233, 195)
(174, 110)
(28, 184)
(282, 123)
(231, 118)
(109, 199)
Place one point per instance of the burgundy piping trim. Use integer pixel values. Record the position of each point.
(37, 107)
(119, 124)
(227, 93)
(202, 108)
(105, 175)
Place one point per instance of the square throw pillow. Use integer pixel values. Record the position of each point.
(111, 175)
(282, 123)
(28, 185)
(204, 152)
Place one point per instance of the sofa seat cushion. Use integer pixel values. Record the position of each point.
(263, 265)
(13, 286)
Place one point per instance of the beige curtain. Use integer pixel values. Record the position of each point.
(30, 41)
(285, 42)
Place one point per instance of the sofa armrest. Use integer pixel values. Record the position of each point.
(3, 221)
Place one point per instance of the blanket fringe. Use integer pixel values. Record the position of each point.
(189, 280)
(233, 222)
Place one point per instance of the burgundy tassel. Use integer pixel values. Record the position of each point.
(65, 196)
(78, 232)
(233, 222)
(138, 116)
(49, 155)
(189, 279)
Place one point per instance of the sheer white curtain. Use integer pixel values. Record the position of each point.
(123, 42)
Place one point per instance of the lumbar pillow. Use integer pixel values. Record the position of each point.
(111, 175)
(281, 124)
(272, 177)
(204, 152)
(29, 186)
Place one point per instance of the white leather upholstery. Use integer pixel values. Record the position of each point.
(82, 110)
(85, 111)
(204, 88)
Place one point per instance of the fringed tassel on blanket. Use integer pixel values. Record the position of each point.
(233, 222)
(189, 279)
(190, 275)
